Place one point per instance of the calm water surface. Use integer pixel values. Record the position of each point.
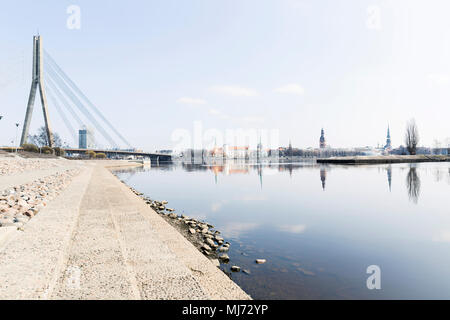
(320, 227)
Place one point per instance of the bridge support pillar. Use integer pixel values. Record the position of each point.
(37, 80)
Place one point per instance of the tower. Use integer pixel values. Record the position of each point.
(323, 142)
(85, 138)
(290, 149)
(37, 80)
(388, 145)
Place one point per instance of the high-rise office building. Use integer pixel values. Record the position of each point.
(86, 138)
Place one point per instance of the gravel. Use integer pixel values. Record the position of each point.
(21, 203)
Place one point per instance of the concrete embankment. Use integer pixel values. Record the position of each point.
(385, 159)
(98, 240)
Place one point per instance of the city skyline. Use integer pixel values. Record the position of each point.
(272, 70)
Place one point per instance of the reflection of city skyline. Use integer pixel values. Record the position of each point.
(228, 168)
(243, 167)
(413, 181)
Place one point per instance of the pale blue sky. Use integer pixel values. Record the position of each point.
(294, 65)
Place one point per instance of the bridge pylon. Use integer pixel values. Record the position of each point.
(37, 81)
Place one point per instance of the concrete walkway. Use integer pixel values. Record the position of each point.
(30, 260)
(98, 240)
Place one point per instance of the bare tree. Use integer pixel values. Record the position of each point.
(447, 142)
(40, 139)
(411, 137)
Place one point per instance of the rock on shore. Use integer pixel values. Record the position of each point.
(200, 233)
(19, 204)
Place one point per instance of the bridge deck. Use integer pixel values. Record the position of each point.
(152, 155)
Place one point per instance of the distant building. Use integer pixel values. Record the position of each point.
(388, 146)
(217, 152)
(323, 143)
(86, 139)
(237, 152)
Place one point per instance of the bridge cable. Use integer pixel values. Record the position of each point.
(62, 115)
(63, 86)
(77, 103)
(54, 88)
(64, 101)
(82, 95)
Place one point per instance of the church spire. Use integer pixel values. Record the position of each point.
(388, 145)
(322, 141)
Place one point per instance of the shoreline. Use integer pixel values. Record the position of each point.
(384, 159)
(200, 233)
(144, 255)
(195, 231)
(187, 249)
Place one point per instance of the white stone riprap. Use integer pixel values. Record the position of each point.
(19, 204)
(11, 166)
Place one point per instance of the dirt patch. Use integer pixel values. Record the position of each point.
(29, 155)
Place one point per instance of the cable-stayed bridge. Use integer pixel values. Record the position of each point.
(73, 107)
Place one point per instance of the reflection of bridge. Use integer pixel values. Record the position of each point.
(121, 153)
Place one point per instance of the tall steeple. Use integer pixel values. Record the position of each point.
(323, 142)
(388, 139)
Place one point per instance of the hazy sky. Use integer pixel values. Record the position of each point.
(153, 67)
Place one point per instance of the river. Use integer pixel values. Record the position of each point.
(319, 227)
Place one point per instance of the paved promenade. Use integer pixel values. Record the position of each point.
(98, 240)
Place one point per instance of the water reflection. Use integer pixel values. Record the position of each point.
(318, 244)
(260, 174)
(127, 175)
(389, 176)
(413, 184)
(245, 168)
(438, 174)
(323, 176)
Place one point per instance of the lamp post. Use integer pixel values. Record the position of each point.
(17, 129)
